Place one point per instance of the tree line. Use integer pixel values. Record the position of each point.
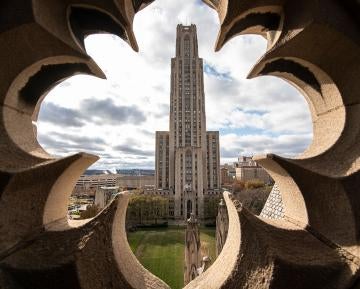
(147, 210)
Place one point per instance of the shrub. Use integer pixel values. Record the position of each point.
(254, 184)
(238, 186)
(90, 212)
(211, 207)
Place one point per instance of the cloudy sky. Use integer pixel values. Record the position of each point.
(116, 118)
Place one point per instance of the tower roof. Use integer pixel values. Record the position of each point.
(186, 34)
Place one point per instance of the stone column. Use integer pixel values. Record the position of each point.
(192, 250)
(222, 226)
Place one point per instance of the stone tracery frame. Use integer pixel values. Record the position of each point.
(314, 45)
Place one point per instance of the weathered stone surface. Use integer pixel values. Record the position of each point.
(276, 254)
(41, 44)
(192, 250)
(315, 45)
(34, 198)
(93, 255)
(222, 226)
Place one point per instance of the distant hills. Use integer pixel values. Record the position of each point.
(136, 172)
(98, 172)
(125, 172)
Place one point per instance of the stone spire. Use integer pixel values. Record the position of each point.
(192, 250)
(222, 226)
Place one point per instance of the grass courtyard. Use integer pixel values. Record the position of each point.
(161, 251)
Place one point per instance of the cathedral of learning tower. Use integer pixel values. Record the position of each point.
(187, 156)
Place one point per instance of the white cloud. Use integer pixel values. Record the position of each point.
(263, 115)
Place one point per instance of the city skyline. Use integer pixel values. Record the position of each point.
(93, 115)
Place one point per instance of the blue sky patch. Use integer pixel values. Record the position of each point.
(247, 130)
(211, 70)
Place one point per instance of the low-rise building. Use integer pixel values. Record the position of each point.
(247, 169)
(136, 182)
(104, 195)
(247, 173)
(245, 161)
(89, 184)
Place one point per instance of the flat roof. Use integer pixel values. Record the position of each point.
(110, 188)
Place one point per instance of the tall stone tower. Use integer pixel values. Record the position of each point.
(187, 156)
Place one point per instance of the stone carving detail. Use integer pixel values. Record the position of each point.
(222, 225)
(192, 250)
(273, 208)
(41, 43)
(314, 45)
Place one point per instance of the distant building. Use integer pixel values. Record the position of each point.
(226, 177)
(245, 161)
(104, 195)
(247, 173)
(187, 161)
(135, 172)
(89, 184)
(246, 169)
(136, 182)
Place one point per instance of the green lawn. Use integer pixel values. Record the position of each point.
(162, 251)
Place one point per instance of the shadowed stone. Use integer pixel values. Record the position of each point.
(192, 250)
(315, 46)
(222, 226)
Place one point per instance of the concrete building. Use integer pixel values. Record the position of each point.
(227, 175)
(135, 182)
(245, 161)
(104, 195)
(187, 161)
(247, 169)
(247, 173)
(89, 184)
